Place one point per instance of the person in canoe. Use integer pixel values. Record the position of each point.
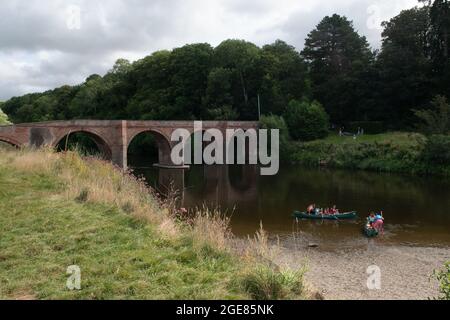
(311, 209)
(378, 223)
(334, 210)
(371, 219)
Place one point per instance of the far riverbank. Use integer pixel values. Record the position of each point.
(395, 152)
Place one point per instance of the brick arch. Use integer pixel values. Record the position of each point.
(102, 143)
(156, 132)
(162, 142)
(10, 141)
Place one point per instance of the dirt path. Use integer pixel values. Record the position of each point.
(405, 271)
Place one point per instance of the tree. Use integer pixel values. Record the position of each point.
(218, 91)
(439, 39)
(189, 67)
(242, 59)
(405, 67)
(285, 77)
(337, 55)
(152, 81)
(86, 103)
(121, 67)
(437, 119)
(3, 117)
(306, 120)
(223, 113)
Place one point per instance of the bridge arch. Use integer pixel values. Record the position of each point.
(101, 143)
(10, 141)
(162, 143)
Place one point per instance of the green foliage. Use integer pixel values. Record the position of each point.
(225, 112)
(3, 117)
(306, 120)
(437, 150)
(340, 61)
(439, 43)
(437, 119)
(266, 283)
(195, 81)
(404, 66)
(218, 92)
(285, 77)
(390, 152)
(242, 58)
(275, 122)
(278, 122)
(443, 276)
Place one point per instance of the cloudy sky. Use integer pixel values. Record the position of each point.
(48, 43)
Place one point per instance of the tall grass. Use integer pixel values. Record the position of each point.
(266, 283)
(210, 227)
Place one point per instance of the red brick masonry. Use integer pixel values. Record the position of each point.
(111, 136)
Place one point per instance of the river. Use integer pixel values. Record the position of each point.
(416, 208)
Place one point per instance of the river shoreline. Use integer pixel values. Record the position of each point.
(342, 274)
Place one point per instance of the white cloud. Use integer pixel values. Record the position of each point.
(42, 46)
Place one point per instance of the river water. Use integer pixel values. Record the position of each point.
(417, 209)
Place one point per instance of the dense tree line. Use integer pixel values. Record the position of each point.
(337, 69)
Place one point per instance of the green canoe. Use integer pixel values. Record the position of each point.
(340, 216)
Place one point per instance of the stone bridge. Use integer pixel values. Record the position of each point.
(112, 137)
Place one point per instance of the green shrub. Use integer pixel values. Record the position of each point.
(437, 119)
(266, 283)
(443, 276)
(277, 122)
(437, 150)
(306, 120)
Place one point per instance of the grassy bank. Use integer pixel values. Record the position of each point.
(59, 210)
(389, 152)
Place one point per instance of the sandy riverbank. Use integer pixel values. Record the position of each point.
(405, 271)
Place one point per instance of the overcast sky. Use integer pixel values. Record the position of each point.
(49, 43)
